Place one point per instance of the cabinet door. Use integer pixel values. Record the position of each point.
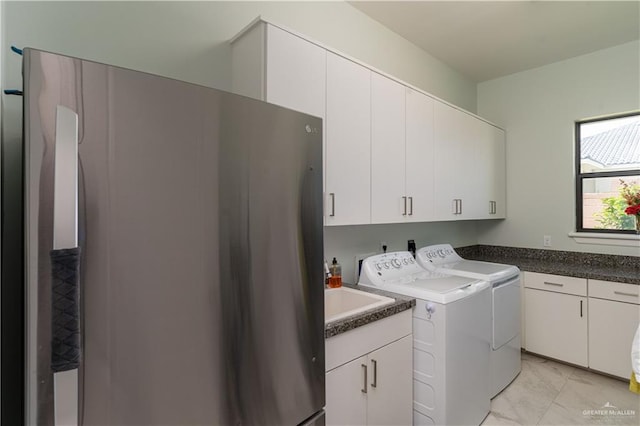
(419, 156)
(498, 183)
(346, 400)
(390, 370)
(295, 72)
(490, 171)
(348, 143)
(455, 167)
(388, 198)
(556, 325)
(483, 139)
(612, 326)
(247, 65)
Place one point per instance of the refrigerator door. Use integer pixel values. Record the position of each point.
(200, 227)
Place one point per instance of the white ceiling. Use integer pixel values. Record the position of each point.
(490, 39)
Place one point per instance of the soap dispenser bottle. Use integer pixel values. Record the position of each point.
(335, 280)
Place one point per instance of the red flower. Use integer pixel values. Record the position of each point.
(633, 210)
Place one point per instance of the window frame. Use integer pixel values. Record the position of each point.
(580, 177)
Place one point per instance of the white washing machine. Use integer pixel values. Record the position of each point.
(505, 306)
(451, 338)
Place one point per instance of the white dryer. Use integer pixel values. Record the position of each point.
(451, 338)
(505, 306)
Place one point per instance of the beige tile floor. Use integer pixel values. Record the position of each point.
(551, 393)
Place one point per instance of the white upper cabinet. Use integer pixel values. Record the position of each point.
(295, 72)
(276, 66)
(498, 188)
(389, 199)
(455, 152)
(401, 153)
(391, 153)
(470, 167)
(420, 156)
(348, 143)
(490, 195)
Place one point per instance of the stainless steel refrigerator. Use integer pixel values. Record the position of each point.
(173, 252)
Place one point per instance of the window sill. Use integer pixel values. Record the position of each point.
(606, 239)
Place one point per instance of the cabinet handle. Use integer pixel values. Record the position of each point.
(493, 207)
(410, 206)
(457, 206)
(554, 284)
(621, 293)
(375, 373)
(333, 203)
(364, 387)
(404, 200)
(581, 309)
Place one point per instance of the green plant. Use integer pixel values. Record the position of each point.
(612, 215)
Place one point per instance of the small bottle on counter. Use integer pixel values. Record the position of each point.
(335, 280)
(327, 274)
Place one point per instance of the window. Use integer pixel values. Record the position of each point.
(607, 156)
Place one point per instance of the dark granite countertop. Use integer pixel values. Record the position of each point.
(624, 269)
(402, 303)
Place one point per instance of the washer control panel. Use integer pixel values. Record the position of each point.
(392, 268)
(438, 254)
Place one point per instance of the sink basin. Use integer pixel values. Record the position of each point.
(343, 302)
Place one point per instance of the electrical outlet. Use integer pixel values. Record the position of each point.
(383, 247)
(358, 265)
(547, 241)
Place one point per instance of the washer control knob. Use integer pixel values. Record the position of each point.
(405, 261)
(378, 267)
(386, 265)
(431, 308)
(396, 263)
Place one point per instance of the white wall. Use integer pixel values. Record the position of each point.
(345, 242)
(189, 41)
(538, 109)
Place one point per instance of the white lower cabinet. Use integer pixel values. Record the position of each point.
(561, 322)
(375, 388)
(346, 398)
(556, 317)
(614, 315)
(372, 390)
(390, 384)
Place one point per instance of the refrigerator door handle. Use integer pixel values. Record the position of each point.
(65, 260)
(65, 203)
